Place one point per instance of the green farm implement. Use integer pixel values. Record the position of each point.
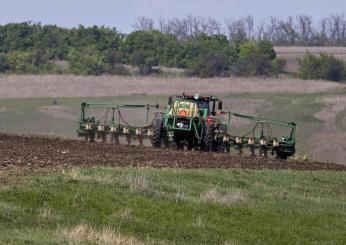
(112, 123)
(191, 122)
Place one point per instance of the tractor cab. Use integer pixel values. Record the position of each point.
(187, 116)
(194, 105)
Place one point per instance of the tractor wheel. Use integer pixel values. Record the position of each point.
(157, 134)
(208, 138)
(103, 138)
(165, 139)
(283, 156)
(91, 137)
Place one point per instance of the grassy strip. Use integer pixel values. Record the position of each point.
(100, 205)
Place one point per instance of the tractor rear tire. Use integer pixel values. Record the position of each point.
(282, 155)
(157, 133)
(208, 138)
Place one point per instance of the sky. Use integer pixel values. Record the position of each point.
(122, 14)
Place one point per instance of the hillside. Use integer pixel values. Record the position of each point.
(172, 206)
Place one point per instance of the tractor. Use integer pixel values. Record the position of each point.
(192, 122)
(189, 122)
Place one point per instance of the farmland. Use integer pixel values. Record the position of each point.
(144, 205)
(57, 189)
(50, 104)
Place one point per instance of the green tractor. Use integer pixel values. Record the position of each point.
(192, 122)
(188, 122)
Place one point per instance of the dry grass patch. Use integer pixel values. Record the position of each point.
(313, 50)
(18, 86)
(199, 223)
(231, 242)
(137, 183)
(10, 207)
(46, 213)
(83, 233)
(124, 214)
(228, 198)
(76, 174)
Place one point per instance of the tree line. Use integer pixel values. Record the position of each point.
(196, 44)
(301, 30)
(34, 48)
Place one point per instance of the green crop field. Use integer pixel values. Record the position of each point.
(101, 205)
(173, 206)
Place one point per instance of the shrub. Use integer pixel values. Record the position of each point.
(277, 66)
(22, 62)
(145, 60)
(257, 59)
(210, 65)
(87, 62)
(3, 63)
(324, 66)
(114, 60)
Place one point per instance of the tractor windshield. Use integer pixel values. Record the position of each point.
(203, 105)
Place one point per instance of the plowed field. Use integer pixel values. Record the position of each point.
(42, 152)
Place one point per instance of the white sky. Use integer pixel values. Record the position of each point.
(123, 13)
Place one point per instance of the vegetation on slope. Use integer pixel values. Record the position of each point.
(324, 66)
(174, 206)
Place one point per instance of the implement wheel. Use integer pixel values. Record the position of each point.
(157, 133)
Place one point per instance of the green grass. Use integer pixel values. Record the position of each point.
(176, 206)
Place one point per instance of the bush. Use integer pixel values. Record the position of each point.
(277, 66)
(22, 62)
(142, 49)
(257, 59)
(210, 65)
(114, 60)
(3, 63)
(145, 60)
(87, 62)
(324, 66)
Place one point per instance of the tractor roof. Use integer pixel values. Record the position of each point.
(197, 97)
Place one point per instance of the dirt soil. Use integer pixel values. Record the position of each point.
(34, 152)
